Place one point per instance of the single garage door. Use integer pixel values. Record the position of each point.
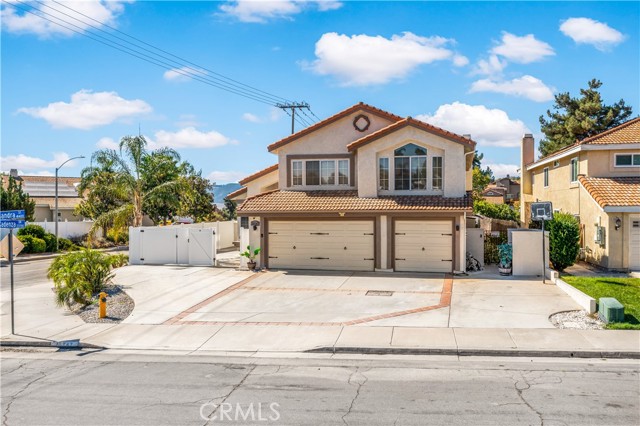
(424, 245)
(329, 245)
(634, 244)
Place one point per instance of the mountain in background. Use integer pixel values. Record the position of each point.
(221, 191)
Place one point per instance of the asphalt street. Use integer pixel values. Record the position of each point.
(111, 388)
(24, 273)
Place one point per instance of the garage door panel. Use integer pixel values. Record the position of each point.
(423, 246)
(634, 244)
(331, 245)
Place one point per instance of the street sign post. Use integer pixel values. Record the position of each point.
(12, 219)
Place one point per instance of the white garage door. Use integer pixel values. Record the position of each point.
(634, 244)
(330, 245)
(423, 246)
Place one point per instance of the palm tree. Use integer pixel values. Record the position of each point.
(128, 181)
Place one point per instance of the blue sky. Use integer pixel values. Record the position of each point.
(488, 69)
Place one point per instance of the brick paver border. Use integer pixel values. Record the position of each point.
(445, 301)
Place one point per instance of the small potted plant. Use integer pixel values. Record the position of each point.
(505, 252)
(251, 256)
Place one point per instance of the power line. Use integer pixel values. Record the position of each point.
(293, 106)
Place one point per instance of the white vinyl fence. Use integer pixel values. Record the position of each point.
(226, 232)
(65, 229)
(169, 245)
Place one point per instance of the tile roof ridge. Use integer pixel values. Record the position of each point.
(608, 131)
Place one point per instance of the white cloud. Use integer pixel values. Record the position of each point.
(107, 143)
(491, 67)
(219, 176)
(261, 11)
(18, 21)
(34, 164)
(460, 60)
(525, 87)
(188, 120)
(362, 60)
(188, 137)
(502, 170)
(183, 74)
(88, 110)
(589, 31)
(524, 50)
(488, 127)
(251, 118)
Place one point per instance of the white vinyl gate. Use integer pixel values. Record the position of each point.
(153, 245)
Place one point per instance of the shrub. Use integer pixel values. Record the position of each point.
(32, 244)
(78, 275)
(118, 260)
(65, 244)
(118, 236)
(33, 230)
(495, 211)
(564, 240)
(50, 241)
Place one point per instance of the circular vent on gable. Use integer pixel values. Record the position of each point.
(361, 123)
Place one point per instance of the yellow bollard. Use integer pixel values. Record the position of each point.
(103, 305)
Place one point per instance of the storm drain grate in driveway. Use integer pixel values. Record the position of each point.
(378, 293)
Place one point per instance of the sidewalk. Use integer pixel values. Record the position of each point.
(352, 339)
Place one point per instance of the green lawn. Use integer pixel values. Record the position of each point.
(626, 290)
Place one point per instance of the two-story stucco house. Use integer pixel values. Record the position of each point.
(596, 179)
(362, 190)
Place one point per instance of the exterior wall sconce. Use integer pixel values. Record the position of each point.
(255, 224)
(618, 223)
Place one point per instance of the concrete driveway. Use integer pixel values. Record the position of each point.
(219, 297)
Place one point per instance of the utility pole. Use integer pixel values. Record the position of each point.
(293, 106)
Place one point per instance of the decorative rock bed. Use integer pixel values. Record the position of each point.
(119, 306)
(577, 320)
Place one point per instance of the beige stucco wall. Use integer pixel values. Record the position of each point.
(330, 139)
(601, 164)
(262, 184)
(454, 181)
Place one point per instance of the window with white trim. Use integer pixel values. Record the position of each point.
(296, 173)
(627, 160)
(320, 172)
(574, 169)
(436, 180)
(545, 173)
(410, 165)
(383, 173)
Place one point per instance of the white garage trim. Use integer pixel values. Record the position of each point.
(634, 243)
(347, 245)
(423, 245)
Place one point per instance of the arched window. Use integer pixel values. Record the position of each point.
(410, 165)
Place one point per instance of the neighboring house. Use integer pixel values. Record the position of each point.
(494, 194)
(503, 191)
(597, 180)
(41, 189)
(362, 190)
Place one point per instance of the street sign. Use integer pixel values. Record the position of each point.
(12, 214)
(4, 246)
(12, 224)
(75, 343)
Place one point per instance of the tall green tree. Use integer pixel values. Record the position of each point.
(14, 198)
(481, 178)
(198, 202)
(229, 210)
(576, 118)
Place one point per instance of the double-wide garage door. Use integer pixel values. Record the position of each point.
(329, 245)
(424, 245)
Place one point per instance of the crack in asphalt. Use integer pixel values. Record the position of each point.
(355, 397)
(5, 415)
(522, 385)
(240, 383)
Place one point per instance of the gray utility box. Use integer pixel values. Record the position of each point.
(610, 310)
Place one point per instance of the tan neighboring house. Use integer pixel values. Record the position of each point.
(503, 191)
(362, 190)
(597, 180)
(41, 189)
(494, 194)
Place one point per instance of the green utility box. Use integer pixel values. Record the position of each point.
(610, 310)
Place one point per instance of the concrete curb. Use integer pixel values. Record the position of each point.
(587, 302)
(44, 344)
(528, 353)
(30, 257)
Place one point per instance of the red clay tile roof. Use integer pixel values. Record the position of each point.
(347, 201)
(256, 175)
(333, 118)
(63, 202)
(613, 191)
(410, 122)
(627, 132)
(237, 192)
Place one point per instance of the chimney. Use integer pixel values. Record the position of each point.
(528, 149)
(467, 136)
(13, 173)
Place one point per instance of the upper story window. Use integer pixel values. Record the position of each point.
(383, 173)
(410, 164)
(574, 169)
(627, 160)
(319, 172)
(437, 173)
(545, 173)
